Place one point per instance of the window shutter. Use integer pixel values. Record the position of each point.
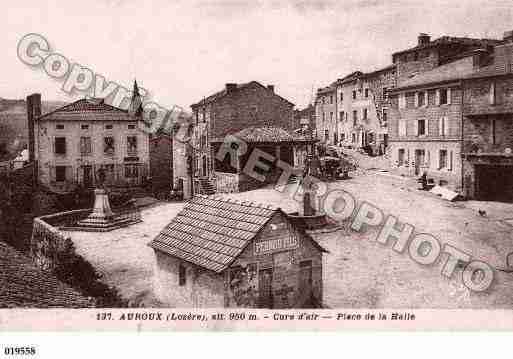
(416, 128)
(450, 161)
(446, 126)
(439, 159)
(416, 99)
(448, 95)
(437, 97)
(53, 174)
(401, 100)
(440, 126)
(428, 159)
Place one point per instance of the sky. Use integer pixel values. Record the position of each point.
(182, 51)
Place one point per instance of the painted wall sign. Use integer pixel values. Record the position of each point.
(275, 245)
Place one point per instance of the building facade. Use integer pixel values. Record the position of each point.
(88, 142)
(326, 114)
(488, 127)
(161, 163)
(206, 258)
(229, 111)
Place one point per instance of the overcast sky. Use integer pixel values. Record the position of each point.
(184, 51)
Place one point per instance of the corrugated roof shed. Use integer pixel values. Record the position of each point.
(211, 232)
(23, 285)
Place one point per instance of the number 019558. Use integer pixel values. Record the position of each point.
(19, 351)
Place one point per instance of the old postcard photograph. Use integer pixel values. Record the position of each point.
(256, 165)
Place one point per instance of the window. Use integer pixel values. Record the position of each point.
(385, 93)
(341, 96)
(341, 116)
(85, 146)
(131, 144)
(331, 116)
(60, 145)
(59, 127)
(326, 135)
(443, 159)
(384, 117)
(353, 137)
(421, 127)
(366, 93)
(402, 128)
(402, 100)
(443, 128)
(182, 275)
(365, 113)
(444, 98)
(355, 117)
(108, 127)
(60, 173)
(493, 97)
(401, 157)
(493, 126)
(84, 127)
(131, 171)
(354, 94)
(331, 99)
(131, 127)
(108, 145)
(421, 99)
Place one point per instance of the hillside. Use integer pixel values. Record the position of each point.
(13, 125)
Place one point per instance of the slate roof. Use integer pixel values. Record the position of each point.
(265, 135)
(446, 40)
(220, 94)
(88, 109)
(452, 71)
(23, 285)
(211, 232)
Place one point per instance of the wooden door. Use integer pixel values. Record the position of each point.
(419, 160)
(305, 285)
(88, 176)
(265, 296)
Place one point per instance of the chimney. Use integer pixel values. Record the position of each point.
(270, 88)
(33, 112)
(508, 36)
(423, 39)
(231, 87)
(480, 58)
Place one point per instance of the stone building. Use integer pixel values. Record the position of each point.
(425, 121)
(227, 112)
(352, 111)
(161, 162)
(326, 114)
(488, 125)
(223, 253)
(76, 143)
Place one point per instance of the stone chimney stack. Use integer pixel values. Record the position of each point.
(270, 88)
(33, 112)
(423, 39)
(231, 87)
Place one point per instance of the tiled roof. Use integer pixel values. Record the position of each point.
(88, 109)
(266, 135)
(445, 40)
(449, 72)
(23, 285)
(220, 94)
(211, 232)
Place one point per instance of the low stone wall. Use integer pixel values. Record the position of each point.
(227, 182)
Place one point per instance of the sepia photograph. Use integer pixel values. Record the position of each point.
(256, 165)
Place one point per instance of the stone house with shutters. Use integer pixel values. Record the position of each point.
(488, 125)
(425, 123)
(87, 142)
(224, 253)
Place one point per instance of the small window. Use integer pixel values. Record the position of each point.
(385, 93)
(60, 173)
(59, 127)
(366, 93)
(84, 127)
(108, 127)
(421, 129)
(131, 171)
(365, 113)
(85, 146)
(384, 118)
(443, 159)
(182, 275)
(108, 145)
(131, 127)
(443, 97)
(401, 157)
(355, 117)
(60, 145)
(131, 142)
(354, 94)
(421, 98)
(341, 96)
(331, 99)
(341, 116)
